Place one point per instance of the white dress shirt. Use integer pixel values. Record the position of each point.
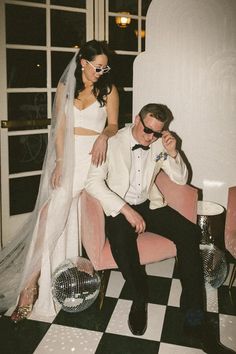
(137, 192)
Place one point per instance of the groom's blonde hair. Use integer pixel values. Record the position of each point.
(158, 111)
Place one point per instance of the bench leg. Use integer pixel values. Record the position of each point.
(105, 275)
(232, 278)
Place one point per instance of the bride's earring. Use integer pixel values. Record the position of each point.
(82, 68)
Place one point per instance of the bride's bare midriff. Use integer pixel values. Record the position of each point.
(84, 131)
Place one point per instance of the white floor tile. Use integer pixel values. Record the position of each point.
(212, 299)
(175, 292)
(33, 316)
(176, 349)
(37, 317)
(115, 284)
(9, 311)
(162, 269)
(119, 320)
(228, 330)
(64, 340)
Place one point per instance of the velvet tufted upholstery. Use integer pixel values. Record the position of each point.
(152, 248)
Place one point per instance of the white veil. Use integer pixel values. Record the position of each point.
(19, 260)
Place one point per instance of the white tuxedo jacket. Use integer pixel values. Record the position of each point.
(109, 182)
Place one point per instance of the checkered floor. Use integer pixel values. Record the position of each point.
(106, 331)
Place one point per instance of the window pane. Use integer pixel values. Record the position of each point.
(125, 111)
(25, 25)
(130, 6)
(74, 3)
(60, 60)
(73, 25)
(26, 152)
(26, 68)
(123, 38)
(23, 194)
(143, 36)
(25, 107)
(39, 1)
(145, 6)
(122, 70)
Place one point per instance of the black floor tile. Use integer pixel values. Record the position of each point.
(24, 337)
(21, 338)
(92, 318)
(227, 300)
(172, 331)
(113, 344)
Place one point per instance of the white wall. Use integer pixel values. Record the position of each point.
(190, 65)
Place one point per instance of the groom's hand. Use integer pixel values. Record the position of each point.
(169, 143)
(134, 218)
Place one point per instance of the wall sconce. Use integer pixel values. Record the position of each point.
(123, 21)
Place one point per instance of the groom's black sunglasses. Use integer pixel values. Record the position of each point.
(149, 130)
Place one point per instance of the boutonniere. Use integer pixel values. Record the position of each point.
(161, 156)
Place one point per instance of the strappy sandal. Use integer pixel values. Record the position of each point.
(22, 312)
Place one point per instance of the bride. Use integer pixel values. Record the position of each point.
(85, 115)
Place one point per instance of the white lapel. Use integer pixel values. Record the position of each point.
(125, 148)
(153, 166)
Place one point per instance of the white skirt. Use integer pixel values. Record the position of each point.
(68, 244)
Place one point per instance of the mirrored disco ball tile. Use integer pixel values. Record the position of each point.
(214, 265)
(75, 284)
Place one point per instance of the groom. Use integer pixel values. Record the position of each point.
(125, 186)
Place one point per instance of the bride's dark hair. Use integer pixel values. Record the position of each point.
(103, 86)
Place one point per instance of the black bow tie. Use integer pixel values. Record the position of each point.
(137, 146)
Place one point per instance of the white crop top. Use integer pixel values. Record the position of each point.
(92, 117)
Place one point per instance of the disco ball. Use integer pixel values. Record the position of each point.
(75, 284)
(214, 265)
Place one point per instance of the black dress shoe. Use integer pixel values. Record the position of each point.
(138, 319)
(208, 341)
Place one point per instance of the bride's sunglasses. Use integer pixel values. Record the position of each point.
(98, 69)
(149, 130)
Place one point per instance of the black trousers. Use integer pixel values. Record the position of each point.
(169, 223)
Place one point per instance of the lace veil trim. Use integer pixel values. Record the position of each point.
(21, 258)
